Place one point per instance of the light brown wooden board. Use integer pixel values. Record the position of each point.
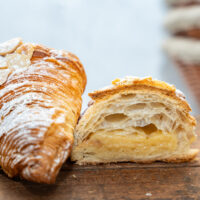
(113, 182)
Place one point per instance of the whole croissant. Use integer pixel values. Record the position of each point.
(40, 102)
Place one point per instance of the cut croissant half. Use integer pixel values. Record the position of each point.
(137, 120)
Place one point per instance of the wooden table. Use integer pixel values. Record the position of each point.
(113, 182)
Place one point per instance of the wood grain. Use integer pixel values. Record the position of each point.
(158, 181)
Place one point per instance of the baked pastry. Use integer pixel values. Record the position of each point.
(137, 120)
(184, 50)
(184, 21)
(184, 54)
(181, 3)
(40, 102)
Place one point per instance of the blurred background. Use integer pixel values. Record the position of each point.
(112, 38)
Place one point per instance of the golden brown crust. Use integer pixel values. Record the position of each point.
(133, 81)
(146, 85)
(103, 94)
(63, 58)
(40, 104)
(137, 84)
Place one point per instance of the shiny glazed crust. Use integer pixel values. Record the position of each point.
(40, 101)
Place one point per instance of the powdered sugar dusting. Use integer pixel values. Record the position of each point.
(16, 60)
(12, 62)
(9, 46)
(58, 53)
(33, 99)
(3, 63)
(180, 94)
(148, 194)
(3, 75)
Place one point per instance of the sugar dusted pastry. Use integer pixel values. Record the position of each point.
(184, 21)
(40, 102)
(183, 50)
(137, 120)
(184, 54)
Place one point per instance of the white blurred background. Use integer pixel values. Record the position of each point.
(112, 38)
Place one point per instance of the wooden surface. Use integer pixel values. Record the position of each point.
(112, 182)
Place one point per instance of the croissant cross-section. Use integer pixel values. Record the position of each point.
(137, 120)
(40, 102)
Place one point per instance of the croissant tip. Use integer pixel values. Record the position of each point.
(41, 179)
(39, 174)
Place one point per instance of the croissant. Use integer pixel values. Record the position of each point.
(184, 21)
(137, 120)
(40, 103)
(183, 51)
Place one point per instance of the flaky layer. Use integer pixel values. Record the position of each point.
(138, 120)
(40, 102)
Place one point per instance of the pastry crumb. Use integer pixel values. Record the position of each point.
(74, 176)
(115, 81)
(148, 194)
